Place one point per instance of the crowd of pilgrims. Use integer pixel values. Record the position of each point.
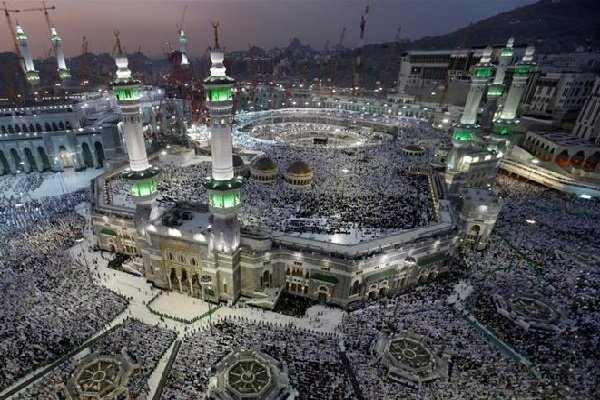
(364, 192)
(557, 258)
(143, 344)
(313, 363)
(19, 210)
(476, 370)
(49, 302)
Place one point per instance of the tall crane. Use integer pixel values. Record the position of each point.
(45, 10)
(358, 63)
(182, 39)
(84, 62)
(13, 33)
(340, 46)
(251, 78)
(321, 59)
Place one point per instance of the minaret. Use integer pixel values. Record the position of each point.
(496, 89)
(479, 79)
(223, 189)
(33, 76)
(521, 73)
(182, 45)
(463, 134)
(140, 174)
(63, 72)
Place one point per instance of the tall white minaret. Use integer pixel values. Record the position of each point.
(63, 72)
(31, 74)
(223, 189)
(480, 77)
(140, 174)
(182, 48)
(521, 73)
(496, 89)
(464, 133)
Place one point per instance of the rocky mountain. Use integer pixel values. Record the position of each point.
(551, 25)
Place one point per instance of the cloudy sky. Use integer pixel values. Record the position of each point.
(265, 23)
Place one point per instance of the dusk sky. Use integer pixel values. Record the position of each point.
(265, 23)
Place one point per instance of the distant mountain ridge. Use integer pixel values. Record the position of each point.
(550, 25)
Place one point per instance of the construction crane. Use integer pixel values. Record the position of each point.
(357, 66)
(251, 78)
(84, 68)
(321, 60)
(385, 73)
(339, 48)
(45, 10)
(180, 24)
(13, 34)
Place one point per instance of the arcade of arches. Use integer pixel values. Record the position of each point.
(563, 158)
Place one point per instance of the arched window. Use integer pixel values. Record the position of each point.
(170, 256)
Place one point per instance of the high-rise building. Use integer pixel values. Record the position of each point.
(588, 121)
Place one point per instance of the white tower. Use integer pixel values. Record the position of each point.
(63, 72)
(182, 48)
(504, 60)
(141, 175)
(223, 189)
(31, 74)
(479, 79)
(496, 89)
(522, 71)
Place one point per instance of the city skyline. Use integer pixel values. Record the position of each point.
(242, 22)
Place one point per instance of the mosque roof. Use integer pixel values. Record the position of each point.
(264, 163)
(299, 168)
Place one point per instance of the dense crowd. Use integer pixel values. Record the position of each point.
(19, 210)
(476, 370)
(143, 344)
(546, 242)
(312, 359)
(357, 193)
(49, 302)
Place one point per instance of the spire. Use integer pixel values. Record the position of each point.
(123, 72)
(54, 34)
(118, 42)
(215, 25)
(486, 57)
(528, 57)
(217, 68)
(20, 32)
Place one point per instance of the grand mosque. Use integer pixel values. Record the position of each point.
(202, 249)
